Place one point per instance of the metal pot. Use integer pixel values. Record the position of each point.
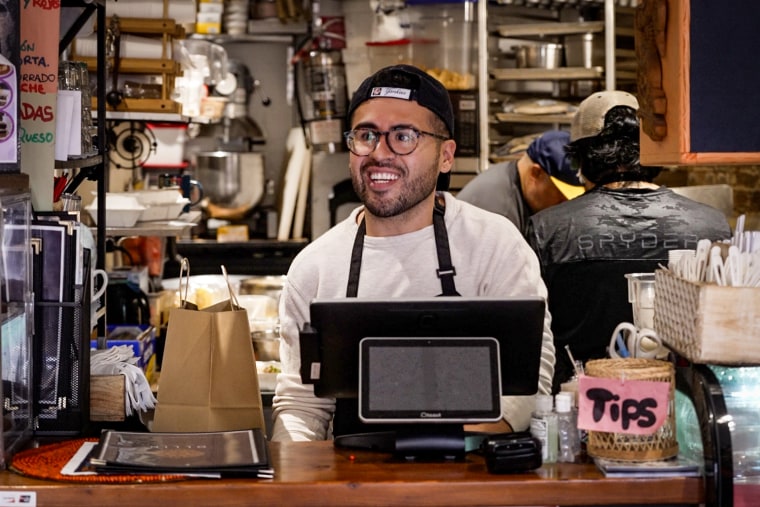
(267, 285)
(584, 50)
(231, 179)
(543, 56)
(266, 346)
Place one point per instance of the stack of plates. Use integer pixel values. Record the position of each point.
(236, 17)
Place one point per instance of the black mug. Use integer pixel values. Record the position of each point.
(126, 304)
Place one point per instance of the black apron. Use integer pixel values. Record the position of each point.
(346, 420)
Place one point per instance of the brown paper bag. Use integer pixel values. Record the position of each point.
(208, 379)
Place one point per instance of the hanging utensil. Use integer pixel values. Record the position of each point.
(115, 97)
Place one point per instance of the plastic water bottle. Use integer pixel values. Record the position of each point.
(543, 426)
(567, 429)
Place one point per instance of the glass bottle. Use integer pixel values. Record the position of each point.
(571, 386)
(543, 426)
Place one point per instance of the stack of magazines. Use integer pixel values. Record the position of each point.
(241, 453)
(677, 466)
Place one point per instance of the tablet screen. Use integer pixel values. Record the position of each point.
(429, 379)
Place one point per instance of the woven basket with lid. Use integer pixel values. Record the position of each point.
(623, 446)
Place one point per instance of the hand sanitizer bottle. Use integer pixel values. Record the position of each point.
(567, 429)
(543, 426)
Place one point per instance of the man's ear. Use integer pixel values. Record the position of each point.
(537, 172)
(448, 148)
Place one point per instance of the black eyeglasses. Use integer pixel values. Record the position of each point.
(401, 140)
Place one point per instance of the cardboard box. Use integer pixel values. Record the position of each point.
(142, 342)
(209, 23)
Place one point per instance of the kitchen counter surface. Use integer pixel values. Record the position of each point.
(314, 473)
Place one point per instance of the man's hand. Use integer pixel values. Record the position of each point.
(496, 427)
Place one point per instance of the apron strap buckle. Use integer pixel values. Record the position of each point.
(446, 272)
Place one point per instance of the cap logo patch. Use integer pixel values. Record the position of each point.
(396, 93)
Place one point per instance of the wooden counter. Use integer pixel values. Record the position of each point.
(314, 473)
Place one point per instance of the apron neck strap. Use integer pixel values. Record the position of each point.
(445, 271)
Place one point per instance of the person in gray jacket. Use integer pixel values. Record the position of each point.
(540, 178)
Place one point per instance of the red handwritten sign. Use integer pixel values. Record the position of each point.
(638, 407)
(39, 38)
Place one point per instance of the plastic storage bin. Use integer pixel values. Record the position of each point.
(451, 25)
(417, 52)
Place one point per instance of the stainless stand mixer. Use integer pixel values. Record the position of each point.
(222, 154)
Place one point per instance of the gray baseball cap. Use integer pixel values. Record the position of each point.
(589, 119)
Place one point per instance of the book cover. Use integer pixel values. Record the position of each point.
(242, 453)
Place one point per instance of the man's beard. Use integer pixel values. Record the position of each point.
(414, 191)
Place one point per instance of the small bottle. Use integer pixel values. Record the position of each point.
(571, 386)
(567, 429)
(543, 426)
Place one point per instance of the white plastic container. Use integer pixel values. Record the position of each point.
(121, 210)
(543, 426)
(161, 204)
(451, 24)
(170, 145)
(641, 296)
(568, 437)
(402, 51)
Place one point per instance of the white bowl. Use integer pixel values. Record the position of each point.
(267, 380)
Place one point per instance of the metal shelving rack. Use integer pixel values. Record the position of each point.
(94, 167)
(536, 74)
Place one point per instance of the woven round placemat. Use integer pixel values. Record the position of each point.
(46, 462)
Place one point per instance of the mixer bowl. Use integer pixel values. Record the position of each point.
(231, 179)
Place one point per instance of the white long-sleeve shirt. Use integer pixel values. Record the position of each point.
(491, 259)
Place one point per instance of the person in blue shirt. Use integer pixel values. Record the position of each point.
(540, 178)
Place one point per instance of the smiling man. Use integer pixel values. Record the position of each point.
(406, 240)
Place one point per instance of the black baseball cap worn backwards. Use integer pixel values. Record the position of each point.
(406, 82)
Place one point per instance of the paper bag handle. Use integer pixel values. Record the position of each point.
(184, 280)
(233, 297)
